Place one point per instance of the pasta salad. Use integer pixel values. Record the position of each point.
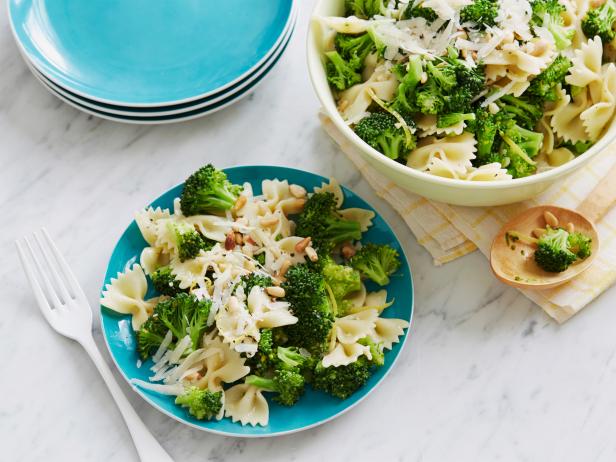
(257, 295)
(480, 90)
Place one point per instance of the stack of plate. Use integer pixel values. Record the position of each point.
(151, 61)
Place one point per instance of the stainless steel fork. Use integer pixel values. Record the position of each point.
(66, 309)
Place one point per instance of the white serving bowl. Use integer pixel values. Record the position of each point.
(458, 192)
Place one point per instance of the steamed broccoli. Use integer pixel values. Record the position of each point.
(164, 281)
(208, 191)
(553, 254)
(381, 131)
(525, 113)
(291, 358)
(376, 351)
(487, 128)
(376, 262)
(364, 9)
(184, 315)
(599, 21)
(447, 120)
(150, 336)
(321, 221)
(342, 74)
(265, 357)
(342, 381)
(203, 404)
(519, 147)
(251, 280)
(481, 12)
(409, 75)
(416, 11)
(577, 148)
(579, 244)
(340, 280)
(355, 48)
(188, 240)
(548, 13)
(305, 291)
(543, 87)
(288, 384)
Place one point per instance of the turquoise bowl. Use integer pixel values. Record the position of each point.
(315, 407)
(148, 52)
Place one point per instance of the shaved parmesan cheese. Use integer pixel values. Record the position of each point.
(174, 390)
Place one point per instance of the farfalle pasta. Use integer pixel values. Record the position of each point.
(522, 78)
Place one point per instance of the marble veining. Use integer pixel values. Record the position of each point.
(486, 375)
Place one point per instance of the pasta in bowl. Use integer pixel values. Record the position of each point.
(235, 321)
(477, 103)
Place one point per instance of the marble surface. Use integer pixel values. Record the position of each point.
(486, 375)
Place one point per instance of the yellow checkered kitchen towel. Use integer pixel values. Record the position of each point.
(449, 232)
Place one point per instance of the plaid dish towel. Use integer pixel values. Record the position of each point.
(449, 232)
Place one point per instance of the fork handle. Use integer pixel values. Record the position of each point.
(148, 448)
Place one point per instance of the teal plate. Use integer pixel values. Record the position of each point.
(148, 52)
(315, 407)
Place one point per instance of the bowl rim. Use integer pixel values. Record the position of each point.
(141, 392)
(325, 95)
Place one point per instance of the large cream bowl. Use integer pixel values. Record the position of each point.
(459, 192)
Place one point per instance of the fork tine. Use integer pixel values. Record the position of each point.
(64, 267)
(40, 270)
(36, 288)
(53, 269)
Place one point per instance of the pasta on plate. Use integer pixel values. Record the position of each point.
(476, 90)
(256, 295)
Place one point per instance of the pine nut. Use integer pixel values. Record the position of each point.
(347, 251)
(301, 245)
(343, 104)
(570, 228)
(239, 203)
(275, 291)
(312, 254)
(284, 268)
(239, 240)
(297, 191)
(230, 241)
(269, 221)
(294, 206)
(538, 232)
(550, 219)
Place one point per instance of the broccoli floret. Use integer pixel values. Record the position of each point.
(265, 358)
(548, 13)
(487, 127)
(150, 336)
(543, 87)
(164, 281)
(519, 147)
(251, 280)
(447, 120)
(481, 12)
(342, 381)
(208, 191)
(355, 48)
(376, 262)
(409, 75)
(376, 351)
(600, 22)
(306, 293)
(289, 384)
(525, 113)
(321, 221)
(381, 131)
(341, 279)
(342, 74)
(188, 240)
(291, 358)
(429, 99)
(412, 11)
(260, 258)
(580, 245)
(364, 9)
(577, 148)
(553, 254)
(183, 315)
(203, 404)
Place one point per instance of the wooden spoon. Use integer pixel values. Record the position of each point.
(513, 262)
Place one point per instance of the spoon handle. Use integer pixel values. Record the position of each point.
(600, 199)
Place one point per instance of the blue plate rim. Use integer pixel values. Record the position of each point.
(144, 396)
(49, 71)
(170, 110)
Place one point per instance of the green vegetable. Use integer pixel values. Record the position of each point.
(447, 120)
(376, 262)
(150, 336)
(376, 351)
(481, 12)
(409, 75)
(208, 191)
(487, 128)
(251, 280)
(553, 254)
(580, 245)
(519, 148)
(355, 48)
(341, 74)
(381, 131)
(164, 281)
(305, 291)
(342, 381)
(419, 12)
(526, 113)
(548, 13)
(289, 384)
(577, 148)
(599, 21)
(321, 221)
(203, 404)
(364, 9)
(543, 87)
(188, 240)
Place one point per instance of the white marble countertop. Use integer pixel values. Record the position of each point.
(486, 375)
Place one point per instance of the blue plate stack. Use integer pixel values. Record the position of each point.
(151, 61)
